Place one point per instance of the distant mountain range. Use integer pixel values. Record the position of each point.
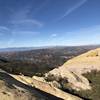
(44, 47)
(17, 49)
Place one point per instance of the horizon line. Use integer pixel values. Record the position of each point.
(49, 46)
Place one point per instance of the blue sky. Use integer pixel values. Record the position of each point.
(26, 23)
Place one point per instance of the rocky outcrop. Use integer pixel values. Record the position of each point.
(46, 87)
(76, 81)
(12, 89)
(20, 87)
(73, 69)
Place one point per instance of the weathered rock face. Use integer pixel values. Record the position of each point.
(7, 93)
(46, 87)
(76, 81)
(20, 87)
(73, 69)
(11, 89)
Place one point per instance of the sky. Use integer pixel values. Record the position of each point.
(32, 23)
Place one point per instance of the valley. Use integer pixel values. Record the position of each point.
(69, 73)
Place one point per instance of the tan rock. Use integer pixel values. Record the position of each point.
(73, 69)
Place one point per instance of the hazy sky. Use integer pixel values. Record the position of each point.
(49, 22)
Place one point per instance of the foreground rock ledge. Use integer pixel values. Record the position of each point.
(43, 86)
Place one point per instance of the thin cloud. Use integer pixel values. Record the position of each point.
(20, 18)
(28, 22)
(89, 35)
(4, 30)
(53, 35)
(25, 33)
(78, 5)
(6, 35)
(85, 32)
(90, 30)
